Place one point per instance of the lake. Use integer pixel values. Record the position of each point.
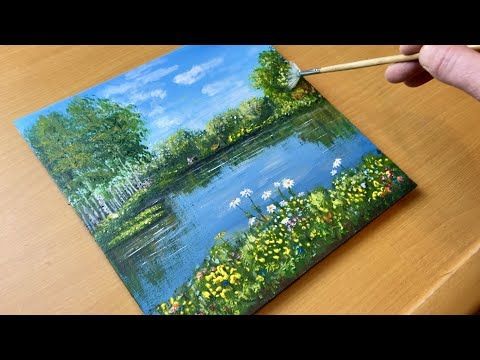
(156, 262)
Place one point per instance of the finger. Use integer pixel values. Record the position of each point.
(400, 72)
(410, 49)
(455, 65)
(419, 79)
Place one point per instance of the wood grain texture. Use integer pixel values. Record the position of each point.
(421, 256)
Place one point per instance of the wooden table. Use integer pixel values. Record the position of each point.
(421, 256)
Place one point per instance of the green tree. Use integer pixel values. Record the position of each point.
(272, 76)
(174, 152)
(88, 146)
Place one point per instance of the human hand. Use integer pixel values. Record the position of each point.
(456, 65)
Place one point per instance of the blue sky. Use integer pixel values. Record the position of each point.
(183, 89)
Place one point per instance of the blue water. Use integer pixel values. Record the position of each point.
(161, 259)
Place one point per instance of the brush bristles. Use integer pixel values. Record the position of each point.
(293, 75)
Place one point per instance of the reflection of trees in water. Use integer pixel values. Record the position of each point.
(146, 265)
(322, 125)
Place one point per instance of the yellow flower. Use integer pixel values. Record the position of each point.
(276, 257)
(206, 294)
(262, 260)
(260, 278)
(223, 293)
(221, 272)
(218, 280)
(286, 251)
(234, 278)
(276, 251)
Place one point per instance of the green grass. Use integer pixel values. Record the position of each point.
(128, 221)
(244, 270)
(137, 224)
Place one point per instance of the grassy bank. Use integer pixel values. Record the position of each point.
(131, 219)
(246, 269)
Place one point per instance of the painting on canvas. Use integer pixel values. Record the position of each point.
(209, 185)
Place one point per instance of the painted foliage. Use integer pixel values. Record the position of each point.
(209, 185)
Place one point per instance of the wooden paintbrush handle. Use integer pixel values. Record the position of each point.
(370, 62)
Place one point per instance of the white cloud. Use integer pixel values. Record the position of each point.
(158, 93)
(196, 72)
(133, 74)
(139, 78)
(118, 89)
(167, 122)
(214, 88)
(157, 74)
(159, 110)
(139, 97)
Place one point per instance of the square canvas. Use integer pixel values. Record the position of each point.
(208, 184)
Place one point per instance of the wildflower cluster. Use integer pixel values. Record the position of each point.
(249, 268)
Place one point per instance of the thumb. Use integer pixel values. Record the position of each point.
(454, 65)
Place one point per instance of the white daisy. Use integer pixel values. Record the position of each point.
(266, 195)
(235, 202)
(285, 221)
(251, 220)
(246, 192)
(283, 203)
(276, 184)
(271, 208)
(288, 183)
(363, 185)
(301, 193)
(336, 163)
(333, 172)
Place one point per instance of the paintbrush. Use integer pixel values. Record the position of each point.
(295, 73)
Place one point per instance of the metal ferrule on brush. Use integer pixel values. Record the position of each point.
(310, 72)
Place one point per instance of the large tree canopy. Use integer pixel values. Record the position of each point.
(90, 144)
(271, 77)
